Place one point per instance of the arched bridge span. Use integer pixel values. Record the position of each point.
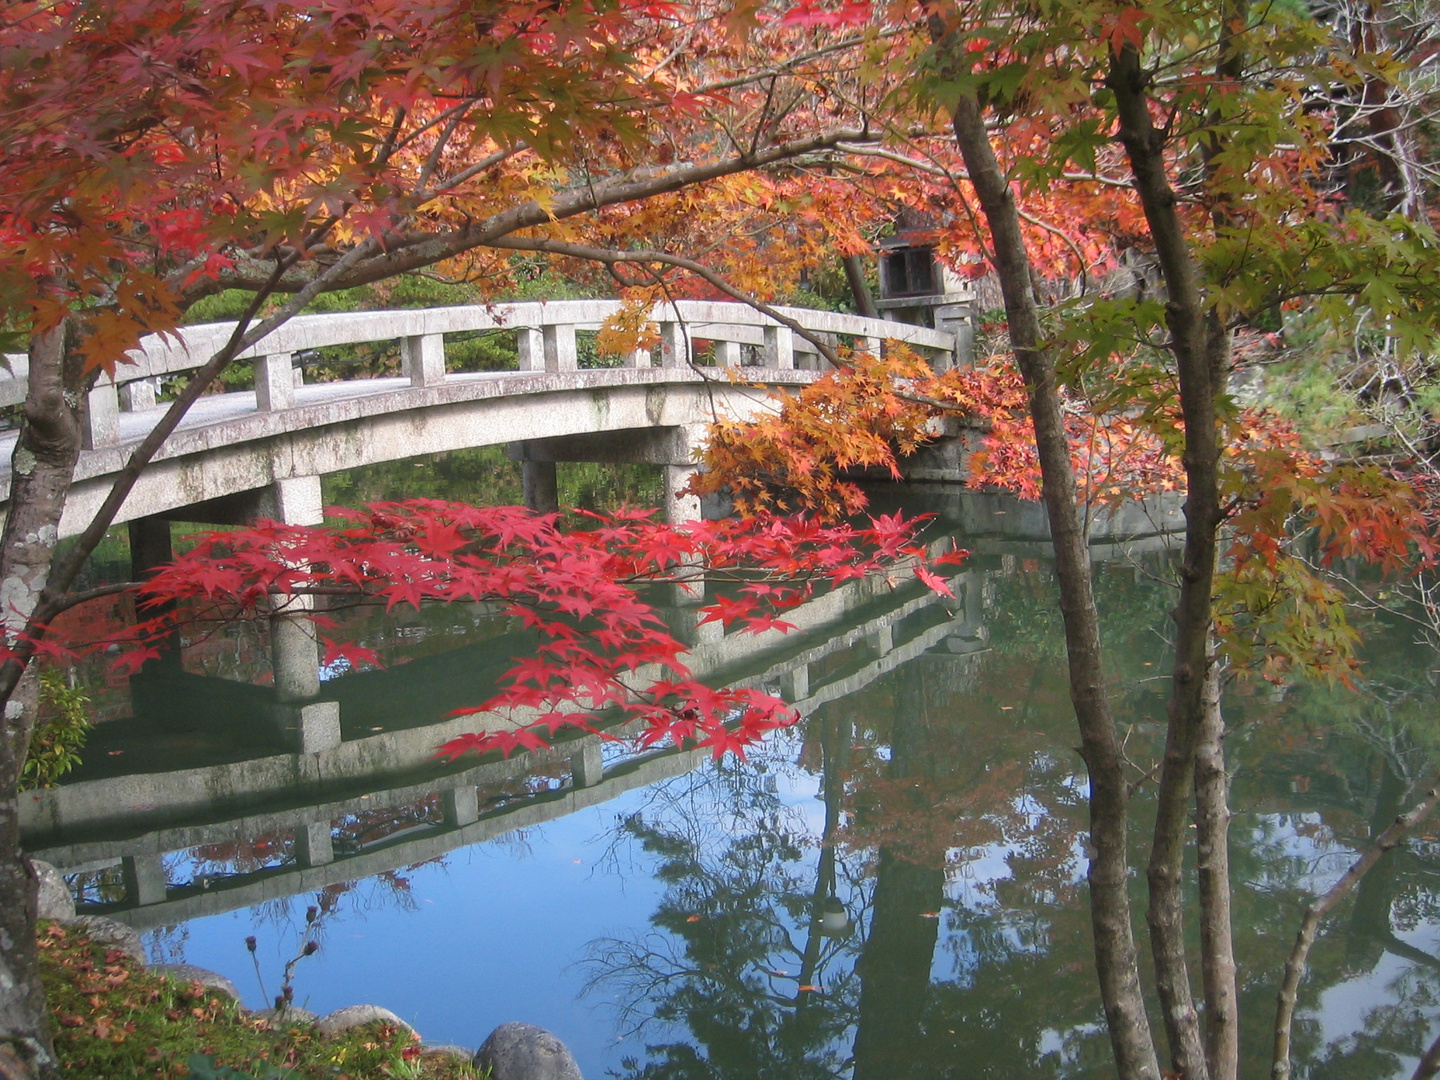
(261, 451)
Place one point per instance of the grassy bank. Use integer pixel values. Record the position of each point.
(113, 1018)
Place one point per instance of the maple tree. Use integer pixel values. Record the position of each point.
(602, 651)
(1226, 201)
(159, 152)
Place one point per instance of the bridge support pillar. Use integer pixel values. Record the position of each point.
(297, 501)
(541, 487)
(100, 424)
(149, 545)
(312, 726)
(150, 548)
(144, 876)
(461, 806)
(423, 359)
(314, 844)
(295, 651)
(680, 507)
(274, 382)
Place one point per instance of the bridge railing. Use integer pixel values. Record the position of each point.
(545, 336)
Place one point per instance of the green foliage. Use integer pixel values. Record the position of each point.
(203, 1067)
(58, 737)
(486, 475)
(114, 1018)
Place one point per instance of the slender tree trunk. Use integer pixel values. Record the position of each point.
(1212, 843)
(1200, 346)
(1116, 960)
(41, 467)
(859, 288)
(1429, 1063)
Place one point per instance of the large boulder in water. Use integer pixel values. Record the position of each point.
(517, 1051)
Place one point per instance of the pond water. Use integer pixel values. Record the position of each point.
(931, 809)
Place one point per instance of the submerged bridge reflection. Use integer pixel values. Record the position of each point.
(280, 824)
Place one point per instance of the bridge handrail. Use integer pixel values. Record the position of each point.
(707, 320)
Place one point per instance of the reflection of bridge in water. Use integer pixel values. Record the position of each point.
(379, 802)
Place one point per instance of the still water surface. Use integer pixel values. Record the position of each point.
(937, 813)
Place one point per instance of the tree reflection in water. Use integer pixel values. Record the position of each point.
(953, 832)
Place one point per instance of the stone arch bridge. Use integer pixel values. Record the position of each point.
(260, 452)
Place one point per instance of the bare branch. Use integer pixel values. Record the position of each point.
(1295, 966)
(611, 257)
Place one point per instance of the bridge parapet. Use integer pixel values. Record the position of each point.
(283, 430)
(545, 333)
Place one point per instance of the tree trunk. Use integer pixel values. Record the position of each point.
(859, 288)
(1212, 843)
(41, 468)
(1200, 346)
(1115, 951)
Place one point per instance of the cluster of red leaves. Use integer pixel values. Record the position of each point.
(153, 143)
(601, 646)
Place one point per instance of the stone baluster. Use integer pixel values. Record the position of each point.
(314, 844)
(882, 639)
(870, 345)
(727, 354)
(587, 768)
(100, 425)
(137, 395)
(274, 382)
(674, 345)
(560, 348)
(422, 358)
(779, 347)
(460, 805)
(795, 683)
(530, 343)
(145, 881)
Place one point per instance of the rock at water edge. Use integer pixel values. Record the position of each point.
(352, 1016)
(517, 1051)
(189, 973)
(55, 899)
(111, 932)
(288, 1017)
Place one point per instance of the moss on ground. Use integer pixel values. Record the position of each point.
(112, 1018)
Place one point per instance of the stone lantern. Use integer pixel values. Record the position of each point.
(916, 288)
